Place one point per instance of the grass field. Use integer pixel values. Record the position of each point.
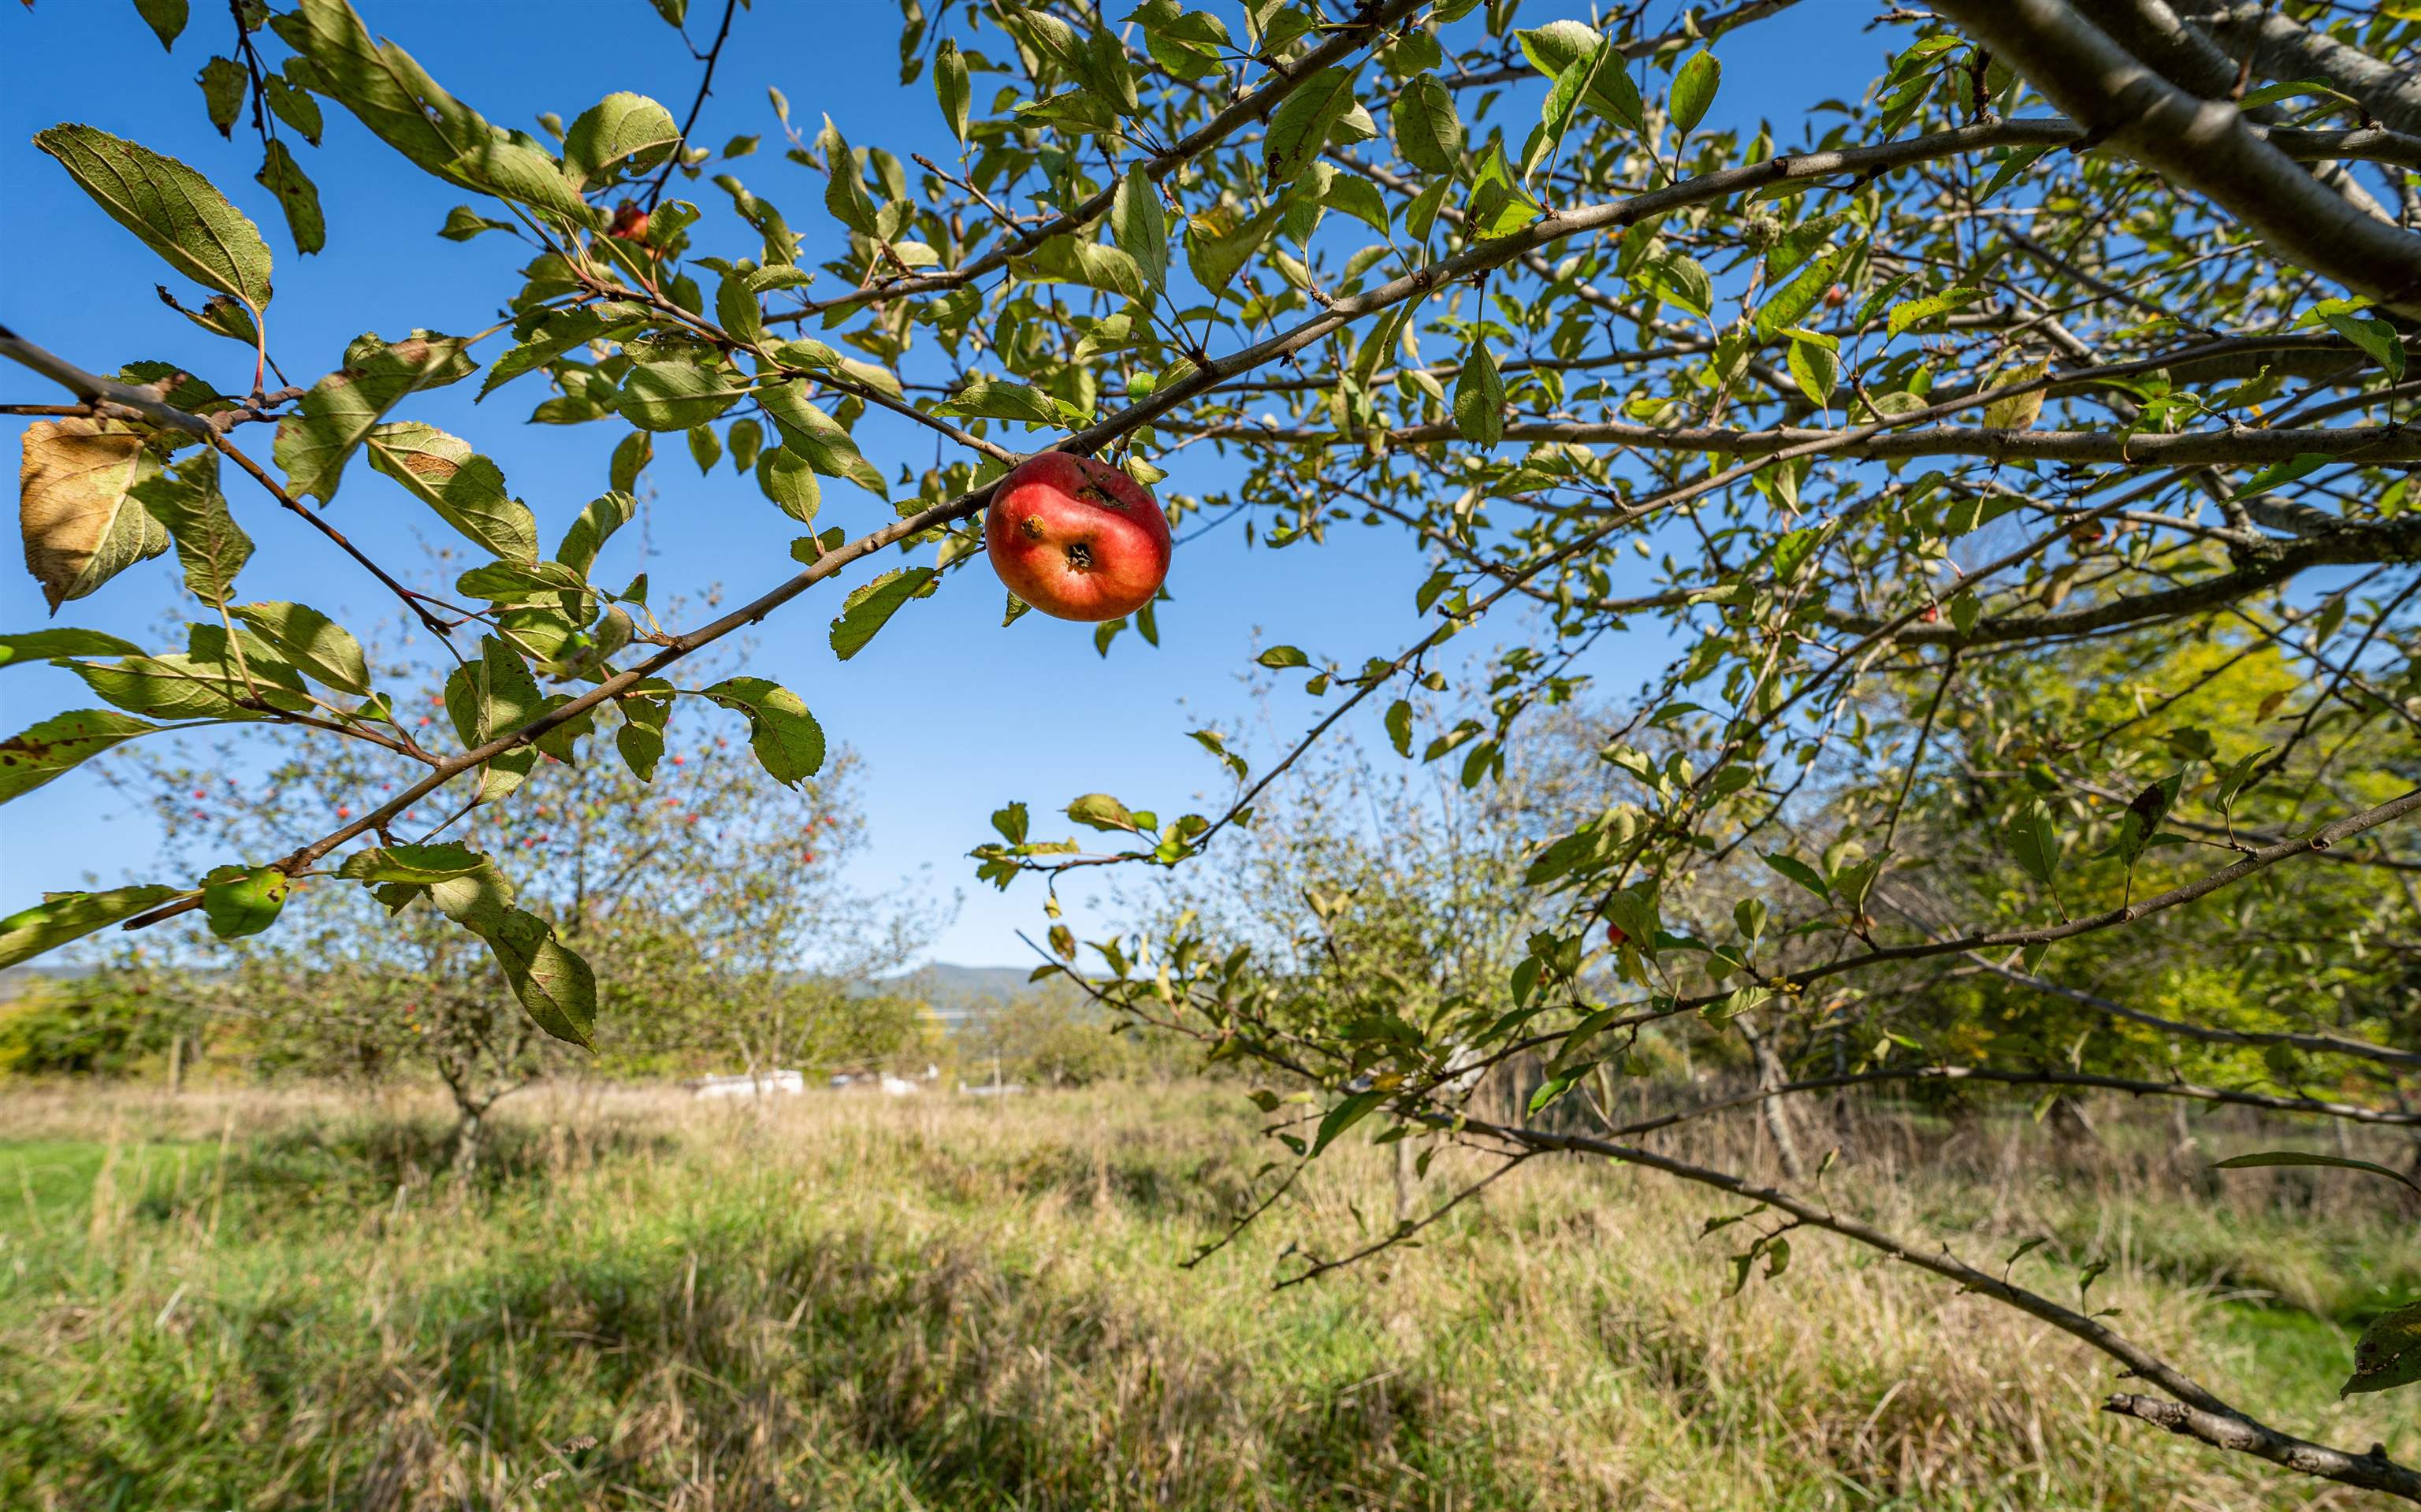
(255, 1302)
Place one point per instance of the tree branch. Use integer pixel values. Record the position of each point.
(2205, 145)
(2229, 1428)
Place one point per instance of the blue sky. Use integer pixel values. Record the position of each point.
(952, 714)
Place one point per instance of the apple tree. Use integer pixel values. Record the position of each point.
(1953, 437)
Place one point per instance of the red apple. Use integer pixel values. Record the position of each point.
(1932, 615)
(1614, 935)
(630, 222)
(1076, 538)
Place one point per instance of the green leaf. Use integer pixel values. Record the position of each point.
(1103, 811)
(2389, 1354)
(623, 130)
(1141, 226)
(467, 490)
(1187, 43)
(1216, 259)
(1299, 128)
(555, 986)
(556, 332)
(2302, 465)
(788, 740)
(1551, 50)
(2033, 841)
(845, 194)
(1399, 727)
(54, 745)
(2373, 336)
(82, 523)
(1479, 399)
(995, 398)
(210, 545)
(871, 606)
(1350, 1110)
(677, 394)
(595, 524)
(338, 414)
(61, 917)
(641, 740)
(223, 80)
(174, 686)
(526, 175)
(1788, 305)
(1499, 205)
(293, 105)
(297, 195)
(1680, 280)
(176, 211)
(462, 226)
(31, 645)
(1918, 311)
(1801, 873)
(166, 18)
(312, 642)
(1280, 657)
(789, 482)
(817, 437)
(239, 901)
(950, 86)
(2238, 1163)
(390, 93)
(1428, 131)
(420, 865)
(1556, 112)
(1693, 89)
(1816, 369)
(489, 698)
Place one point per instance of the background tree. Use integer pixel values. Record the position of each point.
(2163, 252)
(711, 903)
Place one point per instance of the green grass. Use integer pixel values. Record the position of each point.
(860, 1304)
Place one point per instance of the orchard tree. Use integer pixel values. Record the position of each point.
(2081, 332)
(701, 899)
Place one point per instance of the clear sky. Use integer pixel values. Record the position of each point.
(952, 715)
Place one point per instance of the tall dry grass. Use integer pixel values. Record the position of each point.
(643, 1302)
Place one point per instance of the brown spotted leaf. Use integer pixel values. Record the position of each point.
(466, 489)
(314, 443)
(44, 751)
(76, 504)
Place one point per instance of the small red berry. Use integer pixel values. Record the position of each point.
(630, 222)
(1932, 613)
(1615, 935)
(1835, 295)
(344, 812)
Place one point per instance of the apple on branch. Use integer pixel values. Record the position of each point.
(1076, 538)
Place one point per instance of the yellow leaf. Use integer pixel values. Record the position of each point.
(76, 506)
(2019, 412)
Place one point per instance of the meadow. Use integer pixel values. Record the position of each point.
(253, 1300)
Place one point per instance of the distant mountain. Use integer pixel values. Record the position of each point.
(959, 994)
